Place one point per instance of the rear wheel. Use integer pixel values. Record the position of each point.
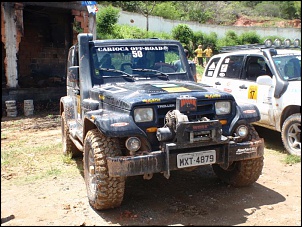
(242, 173)
(104, 192)
(291, 134)
(68, 146)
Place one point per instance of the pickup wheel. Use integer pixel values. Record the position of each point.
(291, 134)
(242, 173)
(68, 146)
(104, 192)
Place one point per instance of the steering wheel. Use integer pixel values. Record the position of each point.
(164, 67)
(123, 68)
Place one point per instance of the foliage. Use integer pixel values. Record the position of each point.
(183, 33)
(211, 40)
(267, 9)
(298, 9)
(292, 159)
(128, 32)
(230, 39)
(146, 8)
(197, 39)
(106, 18)
(249, 37)
(167, 8)
(215, 12)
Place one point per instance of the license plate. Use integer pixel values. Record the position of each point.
(196, 158)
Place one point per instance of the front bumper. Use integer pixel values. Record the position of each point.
(165, 160)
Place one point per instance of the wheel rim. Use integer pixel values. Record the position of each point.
(91, 173)
(294, 141)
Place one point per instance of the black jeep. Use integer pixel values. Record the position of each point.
(133, 108)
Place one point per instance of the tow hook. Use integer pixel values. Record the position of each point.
(148, 176)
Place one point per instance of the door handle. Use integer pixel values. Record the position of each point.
(243, 86)
(217, 83)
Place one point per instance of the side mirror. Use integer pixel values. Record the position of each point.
(264, 80)
(73, 75)
(193, 68)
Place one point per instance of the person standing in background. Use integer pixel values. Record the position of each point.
(199, 53)
(208, 53)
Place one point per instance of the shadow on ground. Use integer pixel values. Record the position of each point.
(188, 198)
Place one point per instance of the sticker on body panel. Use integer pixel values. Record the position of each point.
(252, 92)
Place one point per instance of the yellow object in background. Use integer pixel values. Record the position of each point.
(252, 92)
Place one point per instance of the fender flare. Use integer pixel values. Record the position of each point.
(66, 105)
(245, 114)
(114, 124)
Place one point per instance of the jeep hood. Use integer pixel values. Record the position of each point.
(129, 95)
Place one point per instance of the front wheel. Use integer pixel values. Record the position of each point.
(242, 173)
(291, 134)
(104, 192)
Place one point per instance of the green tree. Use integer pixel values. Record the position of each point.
(250, 37)
(230, 39)
(183, 33)
(288, 10)
(145, 8)
(106, 18)
(167, 10)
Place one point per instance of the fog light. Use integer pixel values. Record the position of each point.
(242, 131)
(133, 144)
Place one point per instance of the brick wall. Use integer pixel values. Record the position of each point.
(43, 50)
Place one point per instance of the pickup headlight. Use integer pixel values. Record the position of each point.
(223, 108)
(143, 114)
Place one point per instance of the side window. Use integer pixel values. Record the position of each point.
(72, 60)
(212, 66)
(256, 66)
(231, 67)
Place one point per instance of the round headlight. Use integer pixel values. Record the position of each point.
(242, 131)
(268, 43)
(287, 42)
(297, 43)
(133, 144)
(277, 42)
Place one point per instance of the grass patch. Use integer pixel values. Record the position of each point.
(32, 155)
(292, 159)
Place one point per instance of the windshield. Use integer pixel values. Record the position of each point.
(289, 66)
(112, 62)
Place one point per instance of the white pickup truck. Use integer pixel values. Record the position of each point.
(267, 75)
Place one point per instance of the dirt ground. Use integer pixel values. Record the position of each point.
(187, 199)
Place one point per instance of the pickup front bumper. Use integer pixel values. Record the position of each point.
(165, 160)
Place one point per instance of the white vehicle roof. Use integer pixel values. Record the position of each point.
(258, 51)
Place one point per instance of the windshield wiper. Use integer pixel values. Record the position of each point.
(160, 76)
(123, 74)
(294, 78)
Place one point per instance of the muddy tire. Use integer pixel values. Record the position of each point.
(103, 192)
(68, 146)
(291, 134)
(242, 173)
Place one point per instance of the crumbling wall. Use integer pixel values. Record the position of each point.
(11, 37)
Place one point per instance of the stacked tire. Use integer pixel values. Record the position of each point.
(11, 108)
(28, 107)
